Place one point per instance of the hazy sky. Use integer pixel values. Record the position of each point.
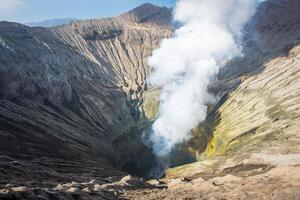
(37, 10)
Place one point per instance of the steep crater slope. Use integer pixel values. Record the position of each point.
(255, 125)
(70, 96)
(249, 145)
(257, 93)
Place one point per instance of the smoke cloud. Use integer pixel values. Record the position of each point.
(185, 64)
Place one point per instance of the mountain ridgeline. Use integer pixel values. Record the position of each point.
(50, 22)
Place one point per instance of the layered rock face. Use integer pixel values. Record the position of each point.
(68, 93)
(259, 92)
(254, 129)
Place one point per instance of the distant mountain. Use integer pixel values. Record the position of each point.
(148, 13)
(50, 22)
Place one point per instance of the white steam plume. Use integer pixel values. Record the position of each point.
(185, 64)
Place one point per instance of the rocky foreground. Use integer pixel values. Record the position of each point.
(278, 183)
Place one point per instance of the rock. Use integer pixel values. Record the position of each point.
(175, 183)
(4, 191)
(72, 189)
(97, 188)
(20, 189)
(156, 182)
(86, 190)
(133, 182)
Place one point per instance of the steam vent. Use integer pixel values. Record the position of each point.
(103, 109)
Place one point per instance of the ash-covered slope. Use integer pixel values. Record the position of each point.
(68, 93)
(260, 91)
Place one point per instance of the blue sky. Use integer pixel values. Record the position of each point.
(38, 10)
